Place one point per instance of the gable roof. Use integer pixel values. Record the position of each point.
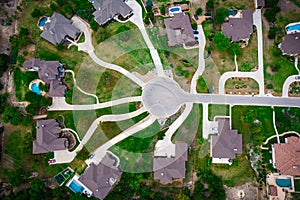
(58, 28)
(101, 178)
(47, 133)
(179, 29)
(107, 9)
(287, 156)
(227, 143)
(291, 44)
(237, 29)
(165, 169)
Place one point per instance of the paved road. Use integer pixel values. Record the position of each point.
(287, 83)
(137, 19)
(101, 151)
(258, 75)
(59, 103)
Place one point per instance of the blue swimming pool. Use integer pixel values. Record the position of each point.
(232, 12)
(176, 9)
(283, 182)
(76, 187)
(42, 21)
(295, 27)
(35, 89)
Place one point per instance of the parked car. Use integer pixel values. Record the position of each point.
(196, 38)
(208, 18)
(196, 17)
(51, 161)
(195, 32)
(207, 14)
(91, 156)
(297, 77)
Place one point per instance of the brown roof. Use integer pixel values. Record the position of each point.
(291, 44)
(165, 169)
(260, 3)
(227, 143)
(101, 178)
(47, 133)
(237, 29)
(179, 29)
(287, 156)
(273, 190)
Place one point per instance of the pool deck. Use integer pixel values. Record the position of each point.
(86, 190)
(292, 31)
(281, 194)
(37, 81)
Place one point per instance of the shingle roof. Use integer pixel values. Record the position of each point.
(107, 9)
(56, 89)
(179, 29)
(101, 178)
(58, 28)
(227, 143)
(47, 133)
(287, 156)
(260, 3)
(165, 169)
(237, 29)
(291, 44)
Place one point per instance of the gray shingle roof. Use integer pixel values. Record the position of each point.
(58, 29)
(47, 133)
(227, 143)
(291, 44)
(101, 178)
(107, 9)
(179, 29)
(165, 169)
(237, 29)
(50, 72)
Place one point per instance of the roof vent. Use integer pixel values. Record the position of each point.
(297, 38)
(295, 167)
(43, 125)
(235, 149)
(112, 181)
(162, 174)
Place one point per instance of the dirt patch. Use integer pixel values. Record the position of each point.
(248, 191)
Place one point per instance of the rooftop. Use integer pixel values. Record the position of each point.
(166, 169)
(107, 9)
(58, 28)
(47, 137)
(287, 156)
(291, 44)
(227, 143)
(179, 30)
(237, 29)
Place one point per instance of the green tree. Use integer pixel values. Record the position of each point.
(221, 14)
(182, 197)
(12, 115)
(209, 5)
(162, 9)
(15, 178)
(60, 46)
(3, 102)
(36, 13)
(37, 188)
(221, 41)
(4, 60)
(199, 11)
(235, 49)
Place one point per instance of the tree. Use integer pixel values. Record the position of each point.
(36, 189)
(221, 41)
(149, 8)
(235, 49)
(3, 102)
(182, 197)
(12, 115)
(4, 60)
(60, 46)
(209, 5)
(270, 14)
(272, 32)
(221, 14)
(36, 13)
(199, 11)
(162, 9)
(15, 178)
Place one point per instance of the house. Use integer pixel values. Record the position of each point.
(101, 178)
(226, 144)
(50, 72)
(290, 44)
(47, 137)
(106, 10)
(168, 168)
(259, 4)
(59, 29)
(286, 156)
(239, 27)
(179, 30)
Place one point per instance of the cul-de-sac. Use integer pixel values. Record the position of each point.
(150, 99)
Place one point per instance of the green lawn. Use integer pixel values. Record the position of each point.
(201, 85)
(297, 184)
(287, 119)
(217, 109)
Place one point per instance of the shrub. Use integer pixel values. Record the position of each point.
(36, 13)
(199, 11)
(221, 14)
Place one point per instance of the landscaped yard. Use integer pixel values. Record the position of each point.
(241, 86)
(287, 119)
(217, 109)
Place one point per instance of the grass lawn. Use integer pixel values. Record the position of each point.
(217, 109)
(243, 118)
(287, 119)
(68, 115)
(201, 85)
(297, 184)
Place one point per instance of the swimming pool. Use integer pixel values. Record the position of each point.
(174, 10)
(283, 182)
(232, 12)
(35, 89)
(76, 187)
(295, 27)
(42, 21)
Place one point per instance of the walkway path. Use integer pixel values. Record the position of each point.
(137, 19)
(258, 75)
(287, 83)
(86, 93)
(274, 125)
(59, 103)
(282, 134)
(101, 151)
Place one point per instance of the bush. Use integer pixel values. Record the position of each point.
(270, 86)
(275, 67)
(235, 49)
(162, 9)
(270, 14)
(36, 13)
(221, 14)
(272, 32)
(199, 11)
(194, 25)
(221, 41)
(60, 47)
(209, 5)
